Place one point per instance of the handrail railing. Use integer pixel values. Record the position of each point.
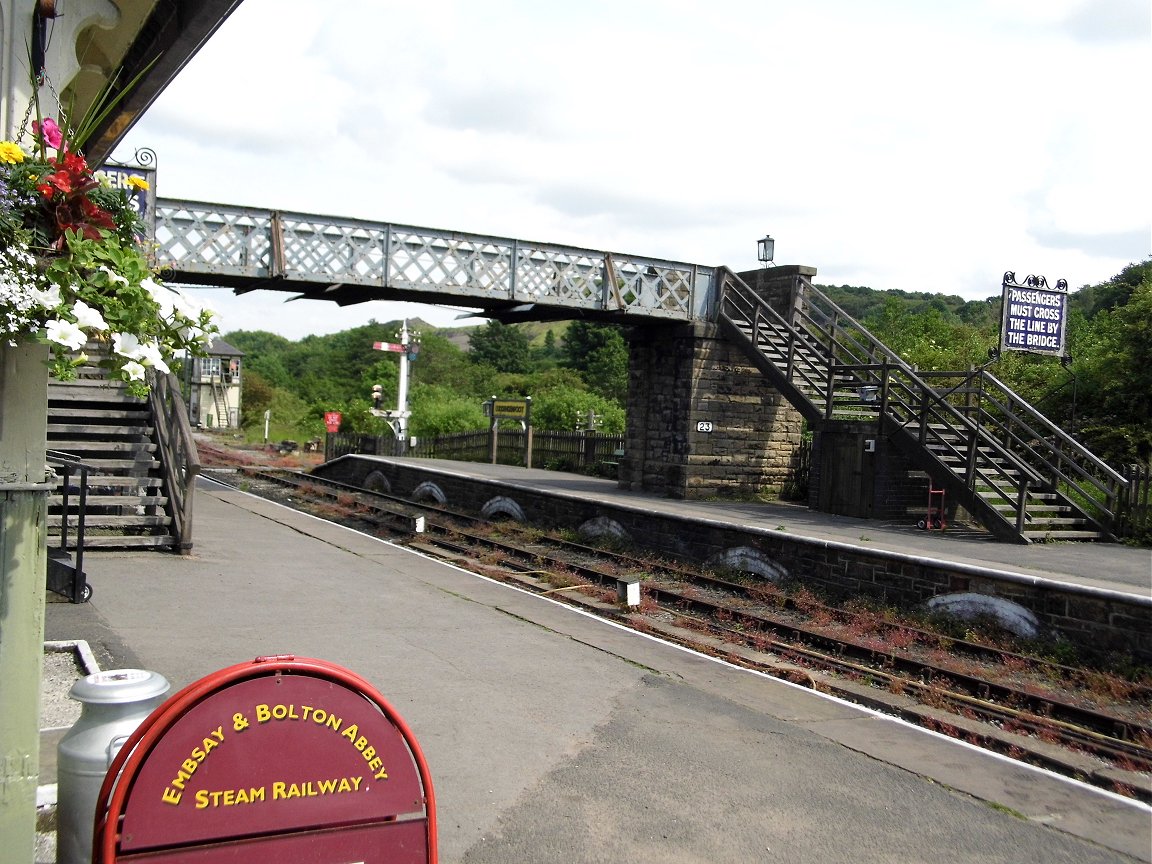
(1002, 443)
(352, 259)
(77, 591)
(180, 460)
(1061, 459)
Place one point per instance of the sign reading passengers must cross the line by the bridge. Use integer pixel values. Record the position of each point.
(1034, 316)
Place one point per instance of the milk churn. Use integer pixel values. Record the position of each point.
(113, 703)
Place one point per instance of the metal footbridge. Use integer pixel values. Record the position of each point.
(348, 261)
(1010, 466)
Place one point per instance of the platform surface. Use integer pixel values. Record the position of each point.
(555, 736)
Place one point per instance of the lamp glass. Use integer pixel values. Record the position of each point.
(765, 249)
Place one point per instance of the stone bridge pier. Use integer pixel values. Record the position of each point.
(703, 421)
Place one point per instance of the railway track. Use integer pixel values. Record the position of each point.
(1075, 721)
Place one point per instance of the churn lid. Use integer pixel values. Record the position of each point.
(119, 686)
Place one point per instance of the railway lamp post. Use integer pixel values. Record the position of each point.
(766, 250)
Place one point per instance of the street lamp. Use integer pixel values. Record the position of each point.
(765, 250)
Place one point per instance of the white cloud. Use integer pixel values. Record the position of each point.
(925, 147)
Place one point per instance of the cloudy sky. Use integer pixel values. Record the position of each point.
(894, 144)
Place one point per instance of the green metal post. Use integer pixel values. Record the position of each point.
(23, 563)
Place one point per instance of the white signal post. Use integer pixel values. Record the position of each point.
(398, 419)
(402, 412)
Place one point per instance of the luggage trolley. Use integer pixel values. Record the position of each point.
(934, 518)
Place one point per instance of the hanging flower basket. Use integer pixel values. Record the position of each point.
(73, 267)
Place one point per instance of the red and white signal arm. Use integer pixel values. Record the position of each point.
(280, 759)
(332, 421)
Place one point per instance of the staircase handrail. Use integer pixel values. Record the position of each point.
(923, 404)
(928, 401)
(872, 346)
(1062, 455)
(70, 461)
(762, 309)
(180, 460)
(1042, 444)
(1054, 430)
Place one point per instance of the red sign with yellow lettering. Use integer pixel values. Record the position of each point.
(267, 754)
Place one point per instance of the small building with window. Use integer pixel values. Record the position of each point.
(214, 387)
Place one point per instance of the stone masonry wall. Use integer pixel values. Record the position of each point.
(1095, 620)
(702, 420)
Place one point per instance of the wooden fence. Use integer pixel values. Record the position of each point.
(581, 452)
(1135, 512)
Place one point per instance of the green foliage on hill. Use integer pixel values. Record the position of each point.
(452, 373)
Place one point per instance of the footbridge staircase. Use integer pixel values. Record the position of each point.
(1018, 473)
(1010, 467)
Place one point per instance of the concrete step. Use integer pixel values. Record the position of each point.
(57, 431)
(98, 521)
(123, 541)
(100, 445)
(95, 502)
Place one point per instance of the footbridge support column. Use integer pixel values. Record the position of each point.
(703, 421)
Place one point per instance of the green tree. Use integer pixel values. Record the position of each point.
(600, 353)
(560, 409)
(264, 353)
(438, 410)
(1115, 379)
(931, 339)
(443, 364)
(256, 396)
(501, 346)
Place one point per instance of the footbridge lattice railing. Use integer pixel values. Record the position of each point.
(352, 260)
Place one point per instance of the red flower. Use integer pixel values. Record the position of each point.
(66, 199)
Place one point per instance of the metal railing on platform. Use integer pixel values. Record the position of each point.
(66, 570)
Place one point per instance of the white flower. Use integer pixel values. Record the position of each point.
(154, 288)
(66, 333)
(86, 316)
(188, 307)
(149, 354)
(133, 370)
(113, 276)
(49, 298)
(125, 344)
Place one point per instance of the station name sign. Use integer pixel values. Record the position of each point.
(1034, 316)
(511, 409)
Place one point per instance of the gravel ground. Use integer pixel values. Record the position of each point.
(62, 669)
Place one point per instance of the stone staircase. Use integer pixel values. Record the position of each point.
(1019, 474)
(135, 459)
(112, 433)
